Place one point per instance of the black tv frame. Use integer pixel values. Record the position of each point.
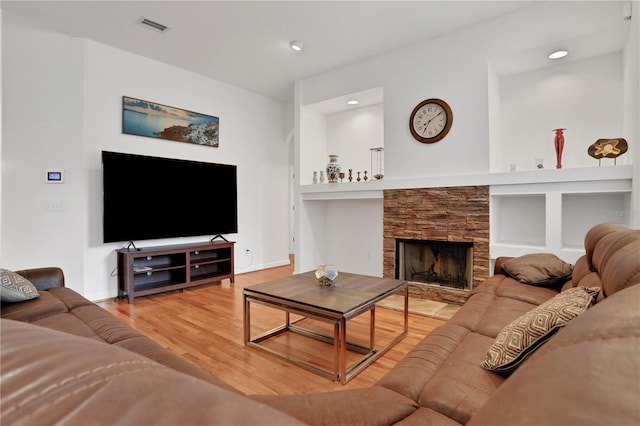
(147, 197)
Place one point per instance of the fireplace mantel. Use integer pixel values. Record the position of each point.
(595, 178)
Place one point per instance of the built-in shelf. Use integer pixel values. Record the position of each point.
(581, 210)
(519, 220)
(530, 211)
(554, 216)
(603, 178)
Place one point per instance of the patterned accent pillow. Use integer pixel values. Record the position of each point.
(15, 287)
(525, 334)
(541, 269)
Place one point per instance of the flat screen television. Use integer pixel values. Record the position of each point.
(152, 197)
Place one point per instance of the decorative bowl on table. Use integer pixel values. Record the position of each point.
(326, 275)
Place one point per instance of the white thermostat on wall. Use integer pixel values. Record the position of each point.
(54, 176)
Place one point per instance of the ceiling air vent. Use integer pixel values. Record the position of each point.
(148, 23)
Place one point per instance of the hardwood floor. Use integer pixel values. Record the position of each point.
(204, 325)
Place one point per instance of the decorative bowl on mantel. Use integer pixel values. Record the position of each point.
(326, 275)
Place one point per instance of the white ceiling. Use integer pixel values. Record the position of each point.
(246, 43)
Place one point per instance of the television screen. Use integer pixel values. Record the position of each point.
(151, 197)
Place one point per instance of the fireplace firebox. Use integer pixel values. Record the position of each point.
(441, 263)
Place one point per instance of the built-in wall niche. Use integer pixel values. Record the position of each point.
(518, 219)
(555, 215)
(580, 212)
(333, 127)
(529, 99)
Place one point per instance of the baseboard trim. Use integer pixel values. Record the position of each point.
(262, 266)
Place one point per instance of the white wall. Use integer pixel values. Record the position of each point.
(311, 238)
(631, 101)
(354, 245)
(42, 97)
(585, 97)
(62, 103)
(457, 67)
(352, 133)
(313, 152)
(1, 115)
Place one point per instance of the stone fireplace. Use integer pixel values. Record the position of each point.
(423, 222)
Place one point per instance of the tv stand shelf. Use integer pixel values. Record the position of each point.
(152, 270)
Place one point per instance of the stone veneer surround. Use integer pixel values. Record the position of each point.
(440, 214)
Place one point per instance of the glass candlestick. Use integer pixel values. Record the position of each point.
(377, 163)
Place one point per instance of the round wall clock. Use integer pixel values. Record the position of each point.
(430, 120)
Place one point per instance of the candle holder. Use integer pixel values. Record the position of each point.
(377, 163)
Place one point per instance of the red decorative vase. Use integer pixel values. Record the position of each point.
(559, 146)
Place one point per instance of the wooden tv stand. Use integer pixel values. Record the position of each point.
(151, 270)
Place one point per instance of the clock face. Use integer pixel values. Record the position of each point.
(430, 120)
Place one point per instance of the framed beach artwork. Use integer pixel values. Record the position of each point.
(144, 118)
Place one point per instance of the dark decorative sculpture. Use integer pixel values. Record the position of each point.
(608, 148)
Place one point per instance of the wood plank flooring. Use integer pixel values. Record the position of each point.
(204, 325)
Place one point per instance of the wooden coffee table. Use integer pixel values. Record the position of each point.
(351, 296)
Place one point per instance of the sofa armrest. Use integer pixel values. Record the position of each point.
(44, 278)
(497, 268)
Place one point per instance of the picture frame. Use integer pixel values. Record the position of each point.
(154, 120)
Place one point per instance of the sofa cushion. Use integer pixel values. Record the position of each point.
(587, 375)
(502, 285)
(51, 377)
(35, 309)
(541, 269)
(595, 234)
(501, 312)
(461, 387)
(372, 406)
(496, 302)
(525, 334)
(616, 258)
(419, 366)
(60, 308)
(15, 288)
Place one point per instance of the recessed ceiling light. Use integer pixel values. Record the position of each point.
(558, 54)
(296, 45)
(353, 102)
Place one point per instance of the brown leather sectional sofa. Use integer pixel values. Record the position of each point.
(588, 373)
